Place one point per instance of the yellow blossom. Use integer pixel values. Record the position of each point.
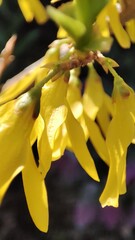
(97, 139)
(109, 16)
(94, 99)
(78, 143)
(57, 122)
(74, 98)
(16, 122)
(53, 113)
(36, 195)
(119, 135)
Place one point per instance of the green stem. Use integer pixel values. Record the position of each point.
(113, 72)
(36, 90)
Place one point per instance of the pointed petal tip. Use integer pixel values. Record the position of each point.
(43, 229)
(96, 177)
(109, 202)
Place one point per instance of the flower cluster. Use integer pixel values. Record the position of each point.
(52, 113)
(58, 113)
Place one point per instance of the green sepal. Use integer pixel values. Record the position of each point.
(75, 28)
(69, 9)
(87, 10)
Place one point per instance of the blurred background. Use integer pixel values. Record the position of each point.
(75, 211)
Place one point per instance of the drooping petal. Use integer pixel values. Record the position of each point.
(60, 144)
(15, 126)
(74, 100)
(5, 186)
(116, 26)
(53, 113)
(39, 11)
(78, 145)
(26, 10)
(93, 94)
(53, 109)
(44, 149)
(102, 23)
(33, 9)
(105, 114)
(36, 194)
(119, 136)
(97, 139)
(103, 119)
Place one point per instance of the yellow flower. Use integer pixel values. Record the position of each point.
(78, 143)
(16, 122)
(57, 125)
(52, 115)
(33, 9)
(94, 103)
(109, 18)
(36, 195)
(119, 135)
(74, 98)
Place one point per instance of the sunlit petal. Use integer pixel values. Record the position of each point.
(36, 194)
(78, 143)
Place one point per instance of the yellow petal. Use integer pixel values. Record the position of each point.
(26, 10)
(74, 100)
(15, 126)
(130, 28)
(33, 9)
(61, 33)
(60, 143)
(103, 119)
(54, 1)
(105, 114)
(119, 136)
(53, 113)
(36, 194)
(31, 75)
(79, 147)
(97, 139)
(16, 89)
(116, 26)
(53, 109)
(44, 149)
(93, 93)
(5, 186)
(102, 23)
(39, 11)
